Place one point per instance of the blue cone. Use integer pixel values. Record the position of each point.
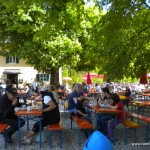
(98, 141)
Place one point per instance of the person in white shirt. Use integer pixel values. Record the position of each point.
(98, 88)
(35, 86)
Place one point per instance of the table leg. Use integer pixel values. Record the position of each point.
(115, 130)
(27, 122)
(19, 134)
(40, 133)
(147, 132)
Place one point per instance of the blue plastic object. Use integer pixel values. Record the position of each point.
(98, 141)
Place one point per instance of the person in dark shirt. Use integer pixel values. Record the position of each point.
(8, 84)
(81, 112)
(51, 114)
(7, 114)
(72, 99)
(127, 91)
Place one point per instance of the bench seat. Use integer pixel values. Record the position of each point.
(3, 128)
(82, 124)
(142, 118)
(129, 124)
(55, 128)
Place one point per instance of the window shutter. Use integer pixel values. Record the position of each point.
(7, 59)
(17, 60)
(47, 77)
(38, 77)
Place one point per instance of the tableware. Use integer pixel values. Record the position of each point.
(29, 108)
(17, 109)
(23, 106)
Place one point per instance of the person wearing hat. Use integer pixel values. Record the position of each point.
(7, 114)
(51, 114)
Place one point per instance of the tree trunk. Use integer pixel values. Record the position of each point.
(54, 76)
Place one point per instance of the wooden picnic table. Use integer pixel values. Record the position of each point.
(27, 113)
(106, 111)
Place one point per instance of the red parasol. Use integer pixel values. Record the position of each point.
(92, 75)
(88, 81)
(143, 79)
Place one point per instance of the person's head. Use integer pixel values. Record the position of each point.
(127, 87)
(96, 84)
(12, 94)
(115, 98)
(48, 87)
(8, 82)
(77, 87)
(105, 91)
(43, 91)
(80, 95)
(53, 87)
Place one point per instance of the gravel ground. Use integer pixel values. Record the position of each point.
(70, 138)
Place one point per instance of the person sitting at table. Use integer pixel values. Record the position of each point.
(103, 101)
(51, 114)
(119, 118)
(128, 94)
(8, 102)
(8, 84)
(81, 112)
(28, 93)
(72, 99)
(127, 91)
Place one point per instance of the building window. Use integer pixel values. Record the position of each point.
(12, 60)
(43, 77)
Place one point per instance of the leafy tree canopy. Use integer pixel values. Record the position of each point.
(51, 34)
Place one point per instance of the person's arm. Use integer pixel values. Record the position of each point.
(81, 113)
(51, 106)
(116, 106)
(7, 111)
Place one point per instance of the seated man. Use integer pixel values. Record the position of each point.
(7, 114)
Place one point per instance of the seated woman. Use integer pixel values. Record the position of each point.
(28, 93)
(51, 114)
(103, 101)
(72, 99)
(120, 116)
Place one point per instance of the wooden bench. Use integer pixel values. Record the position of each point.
(128, 124)
(140, 107)
(82, 124)
(142, 118)
(3, 128)
(56, 128)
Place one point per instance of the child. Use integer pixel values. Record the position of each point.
(81, 112)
